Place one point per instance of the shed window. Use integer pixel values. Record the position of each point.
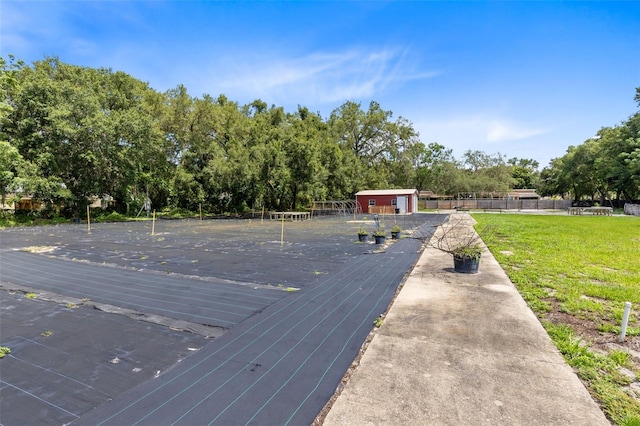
(394, 202)
(372, 202)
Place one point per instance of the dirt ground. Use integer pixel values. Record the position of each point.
(603, 343)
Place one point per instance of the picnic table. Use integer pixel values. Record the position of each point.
(292, 216)
(600, 211)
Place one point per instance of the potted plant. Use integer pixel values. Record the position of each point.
(362, 234)
(459, 239)
(467, 259)
(395, 232)
(379, 235)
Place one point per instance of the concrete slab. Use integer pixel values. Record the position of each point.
(466, 350)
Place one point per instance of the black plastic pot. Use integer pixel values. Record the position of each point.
(466, 265)
(379, 239)
(362, 238)
(395, 235)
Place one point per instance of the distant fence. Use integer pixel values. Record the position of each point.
(632, 209)
(486, 203)
(348, 206)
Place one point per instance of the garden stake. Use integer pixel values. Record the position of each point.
(88, 220)
(625, 320)
(355, 210)
(153, 224)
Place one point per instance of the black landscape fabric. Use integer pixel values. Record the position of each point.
(65, 360)
(283, 353)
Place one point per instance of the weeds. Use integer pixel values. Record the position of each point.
(378, 322)
(108, 217)
(4, 351)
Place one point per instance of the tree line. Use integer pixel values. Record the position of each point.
(70, 133)
(604, 167)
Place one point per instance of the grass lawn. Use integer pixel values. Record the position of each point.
(576, 273)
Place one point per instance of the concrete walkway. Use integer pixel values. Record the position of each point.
(458, 349)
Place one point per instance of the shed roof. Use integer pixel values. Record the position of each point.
(387, 192)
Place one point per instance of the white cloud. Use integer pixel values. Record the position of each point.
(500, 131)
(316, 78)
(481, 128)
(482, 132)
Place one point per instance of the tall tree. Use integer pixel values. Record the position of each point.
(435, 167)
(485, 173)
(90, 128)
(524, 172)
(376, 143)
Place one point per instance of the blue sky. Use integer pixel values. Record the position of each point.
(523, 79)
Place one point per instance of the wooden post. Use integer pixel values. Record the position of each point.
(282, 231)
(88, 220)
(200, 212)
(153, 224)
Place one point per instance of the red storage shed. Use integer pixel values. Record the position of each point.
(388, 201)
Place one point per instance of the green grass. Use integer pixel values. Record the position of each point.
(578, 270)
(9, 220)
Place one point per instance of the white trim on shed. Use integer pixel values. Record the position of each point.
(387, 192)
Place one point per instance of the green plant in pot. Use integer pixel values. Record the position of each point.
(473, 252)
(379, 235)
(467, 259)
(395, 232)
(459, 239)
(362, 234)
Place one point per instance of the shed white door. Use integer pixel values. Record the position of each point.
(401, 203)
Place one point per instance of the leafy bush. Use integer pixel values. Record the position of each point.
(110, 217)
(178, 212)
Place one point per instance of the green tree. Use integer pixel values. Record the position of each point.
(524, 172)
(89, 128)
(435, 168)
(615, 173)
(577, 172)
(606, 164)
(377, 144)
(484, 173)
(302, 137)
(12, 170)
(553, 181)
